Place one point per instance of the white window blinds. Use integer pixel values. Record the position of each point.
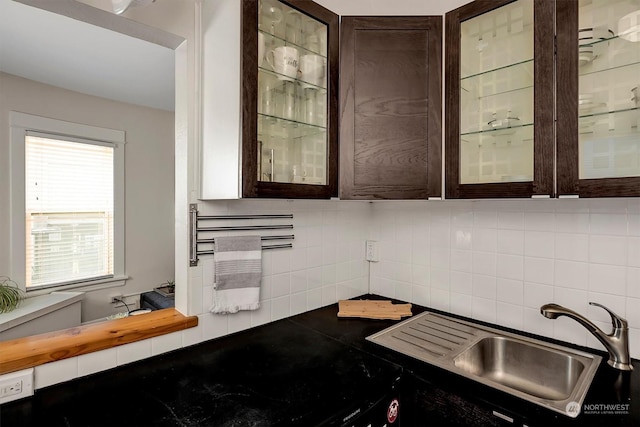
(69, 204)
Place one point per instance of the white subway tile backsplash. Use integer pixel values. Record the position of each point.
(511, 220)
(216, 325)
(461, 282)
(299, 281)
(608, 224)
(615, 303)
(485, 240)
(133, 352)
(484, 286)
(571, 274)
(575, 299)
(440, 299)
(439, 278)
(535, 323)
(539, 244)
(165, 343)
(484, 309)
(484, 263)
(536, 295)
(485, 219)
(572, 246)
(258, 317)
(539, 221)
(569, 330)
(633, 282)
(539, 270)
(510, 291)
(509, 315)
(55, 372)
(420, 295)
(91, 363)
(298, 303)
(461, 304)
(572, 222)
(510, 267)
(329, 295)
(608, 249)
(461, 260)
(280, 308)
(510, 242)
(633, 251)
(634, 225)
(280, 285)
(461, 239)
(607, 279)
(420, 275)
(239, 321)
(440, 257)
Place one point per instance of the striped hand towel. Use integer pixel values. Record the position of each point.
(238, 272)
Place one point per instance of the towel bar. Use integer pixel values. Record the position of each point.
(194, 218)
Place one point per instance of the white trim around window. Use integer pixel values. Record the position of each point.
(20, 125)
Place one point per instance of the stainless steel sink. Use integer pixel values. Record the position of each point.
(552, 376)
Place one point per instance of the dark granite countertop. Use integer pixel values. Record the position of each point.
(302, 371)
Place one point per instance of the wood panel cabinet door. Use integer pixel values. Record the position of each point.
(390, 107)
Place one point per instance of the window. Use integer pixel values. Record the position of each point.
(67, 203)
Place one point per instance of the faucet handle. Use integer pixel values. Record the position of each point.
(617, 321)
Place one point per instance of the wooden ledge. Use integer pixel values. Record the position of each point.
(37, 350)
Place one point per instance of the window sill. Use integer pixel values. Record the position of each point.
(94, 285)
(32, 308)
(37, 350)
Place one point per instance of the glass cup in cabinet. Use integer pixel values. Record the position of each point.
(284, 60)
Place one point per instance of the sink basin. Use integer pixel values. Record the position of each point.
(548, 375)
(537, 371)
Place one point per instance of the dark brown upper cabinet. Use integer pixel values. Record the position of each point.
(499, 107)
(270, 99)
(391, 107)
(598, 98)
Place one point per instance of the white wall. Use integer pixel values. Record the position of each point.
(149, 154)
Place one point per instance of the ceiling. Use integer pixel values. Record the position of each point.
(64, 52)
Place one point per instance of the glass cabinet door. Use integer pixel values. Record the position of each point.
(293, 117)
(496, 95)
(492, 139)
(598, 134)
(292, 96)
(609, 88)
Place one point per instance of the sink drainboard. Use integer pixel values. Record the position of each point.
(433, 334)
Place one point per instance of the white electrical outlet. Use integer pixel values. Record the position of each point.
(371, 253)
(16, 385)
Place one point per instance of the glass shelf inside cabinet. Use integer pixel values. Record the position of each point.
(291, 152)
(496, 95)
(497, 39)
(487, 158)
(292, 96)
(609, 91)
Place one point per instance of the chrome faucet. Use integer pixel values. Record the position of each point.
(617, 342)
